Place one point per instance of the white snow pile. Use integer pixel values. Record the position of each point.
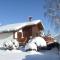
(31, 46)
(39, 41)
(33, 43)
(12, 44)
(30, 55)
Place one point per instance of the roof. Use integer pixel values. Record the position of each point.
(16, 26)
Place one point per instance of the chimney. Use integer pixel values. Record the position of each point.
(30, 18)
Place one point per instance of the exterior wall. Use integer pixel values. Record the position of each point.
(4, 37)
(31, 30)
(35, 30)
(23, 35)
(27, 31)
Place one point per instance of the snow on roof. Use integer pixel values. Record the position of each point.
(16, 26)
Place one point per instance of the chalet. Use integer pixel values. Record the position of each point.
(20, 31)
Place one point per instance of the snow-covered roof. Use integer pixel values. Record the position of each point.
(16, 26)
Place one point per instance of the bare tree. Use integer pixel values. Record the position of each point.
(52, 11)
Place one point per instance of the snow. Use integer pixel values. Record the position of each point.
(16, 26)
(34, 42)
(30, 46)
(13, 44)
(21, 54)
(30, 55)
(39, 41)
(5, 37)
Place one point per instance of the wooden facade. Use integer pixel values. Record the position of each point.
(28, 31)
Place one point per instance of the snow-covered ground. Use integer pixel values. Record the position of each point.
(30, 55)
(21, 54)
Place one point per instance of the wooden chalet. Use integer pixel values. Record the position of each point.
(20, 31)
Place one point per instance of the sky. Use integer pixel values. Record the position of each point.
(15, 11)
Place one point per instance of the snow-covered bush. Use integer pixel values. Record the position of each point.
(31, 46)
(39, 41)
(35, 42)
(12, 44)
(15, 44)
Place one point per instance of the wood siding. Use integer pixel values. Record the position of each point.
(28, 31)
